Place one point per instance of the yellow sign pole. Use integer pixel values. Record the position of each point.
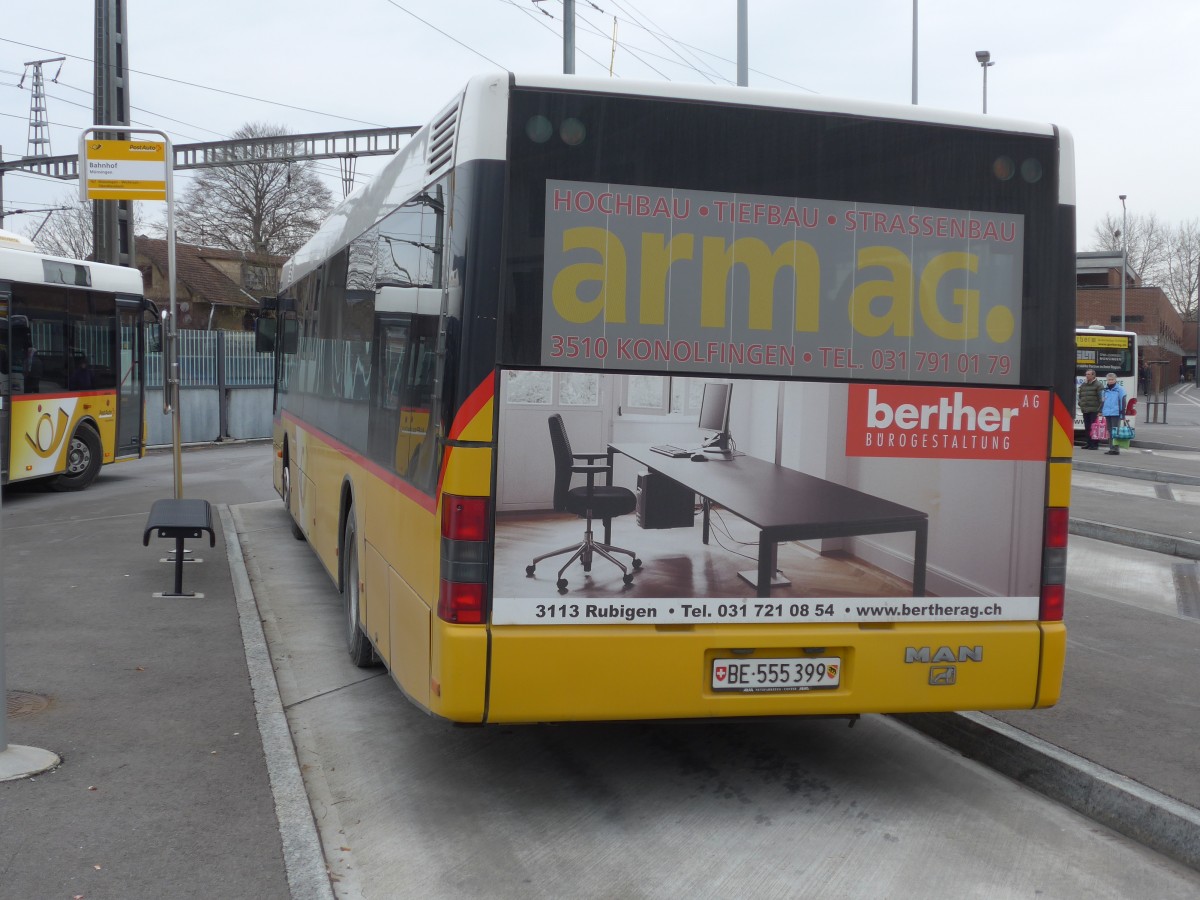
(140, 170)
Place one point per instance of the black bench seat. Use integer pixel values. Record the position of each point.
(180, 519)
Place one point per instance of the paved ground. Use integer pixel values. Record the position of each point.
(1130, 703)
(161, 710)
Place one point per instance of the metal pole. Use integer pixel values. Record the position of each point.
(1124, 259)
(985, 61)
(568, 37)
(171, 351)
(914, 55)
(172, 384)
(743, 66)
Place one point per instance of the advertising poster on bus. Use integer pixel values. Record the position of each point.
(864, 518)
(649, 279)
(871, 356)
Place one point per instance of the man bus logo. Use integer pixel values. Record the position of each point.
(943, 675)
(943, 654)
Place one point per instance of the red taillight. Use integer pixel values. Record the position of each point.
(466, 545)
(464, 518)
(1058, 522)
(1054, 564)
(461, 603)
(1052, 602)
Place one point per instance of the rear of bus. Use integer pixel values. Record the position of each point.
(829, 262)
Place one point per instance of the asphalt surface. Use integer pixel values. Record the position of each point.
(166, 714)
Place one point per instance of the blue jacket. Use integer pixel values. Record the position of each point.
(1113, 399)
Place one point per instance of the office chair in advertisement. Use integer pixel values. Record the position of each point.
(592, 501)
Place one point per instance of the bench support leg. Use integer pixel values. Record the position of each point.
(179, 561)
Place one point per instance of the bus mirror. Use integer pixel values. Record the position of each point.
(264, 334)
(268, 304)
(291, 335)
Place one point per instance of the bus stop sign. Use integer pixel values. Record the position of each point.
(123, 170)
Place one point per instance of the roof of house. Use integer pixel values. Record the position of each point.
(204, 281)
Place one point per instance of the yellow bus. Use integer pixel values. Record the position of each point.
(1107, 350)
(613, 401)
(71, 364)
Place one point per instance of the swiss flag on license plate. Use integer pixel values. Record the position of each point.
(720, 673)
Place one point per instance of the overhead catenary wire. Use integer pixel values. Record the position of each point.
(325, 168)
(206, 87)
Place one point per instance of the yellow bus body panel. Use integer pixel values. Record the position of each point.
(408, 643)
(1058, 487)
(556, 673)
(41, 426)
(1054, 659)
(459, 674)
(440, 666)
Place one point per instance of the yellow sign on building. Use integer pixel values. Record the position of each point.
(123, 170)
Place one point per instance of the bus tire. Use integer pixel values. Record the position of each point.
(84, 458)
(297, 531)
(357, 645)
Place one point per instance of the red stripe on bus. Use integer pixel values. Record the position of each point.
(472, 405)
(429, 504)
(65, 395)
(1064, 417)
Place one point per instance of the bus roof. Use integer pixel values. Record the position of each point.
(25, 266)
(773, 99)
(450, 139)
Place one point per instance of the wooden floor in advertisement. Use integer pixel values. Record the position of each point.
(675, 562)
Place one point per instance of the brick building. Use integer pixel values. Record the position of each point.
(1163, 337)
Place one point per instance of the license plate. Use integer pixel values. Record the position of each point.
(776, 673)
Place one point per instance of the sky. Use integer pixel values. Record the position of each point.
(1117, 75)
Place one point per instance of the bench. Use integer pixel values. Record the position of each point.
(179, 519)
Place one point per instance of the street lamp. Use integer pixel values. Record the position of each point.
(1124, 259)
(985, 60)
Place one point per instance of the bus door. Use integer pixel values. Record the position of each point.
(5, 377)
(130, 396)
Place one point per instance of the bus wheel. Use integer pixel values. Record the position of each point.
(357, 644)
(297, 531)
(83, 461)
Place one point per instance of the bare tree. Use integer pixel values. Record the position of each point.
(1182, 282)
(66, 231)
(1148, 241)
(257, 207)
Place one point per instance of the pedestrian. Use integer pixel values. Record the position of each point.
(1144, 379)
(1112, 401)
(1088, 398)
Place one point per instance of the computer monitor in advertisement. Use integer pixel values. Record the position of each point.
(714, 416)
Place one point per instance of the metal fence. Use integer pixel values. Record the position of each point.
(214, 359)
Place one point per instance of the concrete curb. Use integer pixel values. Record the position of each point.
(1132, 537)
(1138, 474)
(304, 859)
(1155, 820)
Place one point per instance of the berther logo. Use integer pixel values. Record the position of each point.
(947, 422)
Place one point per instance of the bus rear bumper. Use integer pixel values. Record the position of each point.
(575, 673)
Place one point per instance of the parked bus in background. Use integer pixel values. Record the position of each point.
(1107, 351)
(885, 297)
(71, 360)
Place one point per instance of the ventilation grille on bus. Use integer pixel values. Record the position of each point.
(441, 141)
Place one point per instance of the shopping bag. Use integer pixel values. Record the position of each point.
(1124, 431)
(1100, 429)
